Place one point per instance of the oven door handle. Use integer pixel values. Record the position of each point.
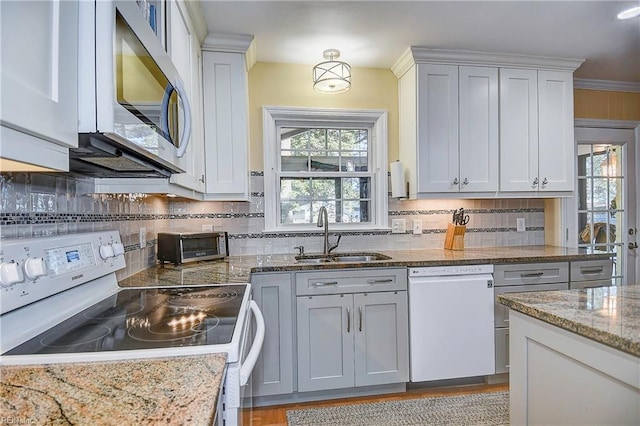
(252, 357)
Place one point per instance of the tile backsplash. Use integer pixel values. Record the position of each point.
(40, 205)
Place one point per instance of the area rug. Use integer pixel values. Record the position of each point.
(490, 408)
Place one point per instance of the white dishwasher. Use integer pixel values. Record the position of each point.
(451, 326)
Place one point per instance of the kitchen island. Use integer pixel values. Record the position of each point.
(575, 356)
(174, 390)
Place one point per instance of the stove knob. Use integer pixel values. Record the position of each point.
(118, 249)
(106, 251)
(10, 274)
(34, 267)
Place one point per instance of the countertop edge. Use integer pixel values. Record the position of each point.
(611, 340)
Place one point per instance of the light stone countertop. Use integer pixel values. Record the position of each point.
(238, 269)
(176, 390)
(608, 315)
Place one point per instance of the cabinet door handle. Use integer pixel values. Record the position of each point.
(382, 281)
(455, 181)
(592, 271)
(348, 320)
(535, 183)
(544, 182)
(465, 181)
(321, 283)
(360, 316)
(532, 274)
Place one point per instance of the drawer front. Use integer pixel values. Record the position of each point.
(531, 273)
(351, 281)
(501, 312)
(590, 284)
(591, 270)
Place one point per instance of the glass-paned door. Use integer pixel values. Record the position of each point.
(601, 202)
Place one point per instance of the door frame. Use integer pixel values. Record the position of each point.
(570, 205)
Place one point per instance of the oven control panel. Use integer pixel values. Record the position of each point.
(34, 268)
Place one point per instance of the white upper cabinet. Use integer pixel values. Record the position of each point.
(483, 124)
(556, 147)
(456, 131)
(226, 120)
(39, 45)
(184, 49)
(536, 131)
(518, 130)
(437, 144)
(478, 124)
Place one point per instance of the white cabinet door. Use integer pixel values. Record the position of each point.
(478, 145)
(437, 103)
(325, 342)
(381, 338)
(556, 146)
(39, 44)
(518, 130)
(40, 68)
(226, 107)
(184, 48)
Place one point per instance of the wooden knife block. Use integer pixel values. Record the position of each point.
(454, 240)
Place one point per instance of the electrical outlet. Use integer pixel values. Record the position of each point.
(416, 225)
(520, 226)
(398, 226)
(143, 237)
(207, 228)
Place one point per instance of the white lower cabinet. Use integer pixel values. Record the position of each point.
(347, 340)
(273, 373)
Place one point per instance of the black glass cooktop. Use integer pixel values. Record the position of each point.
(144, 319)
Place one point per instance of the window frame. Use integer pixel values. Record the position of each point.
(376, 120)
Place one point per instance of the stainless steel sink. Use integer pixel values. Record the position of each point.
(364, 257)
(342, 258)
(313, 260)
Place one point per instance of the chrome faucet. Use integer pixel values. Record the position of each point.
(323, 220)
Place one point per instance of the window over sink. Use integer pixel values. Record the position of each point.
(319, 157)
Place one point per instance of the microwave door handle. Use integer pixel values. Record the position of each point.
(186, 130)
(252, 357)
(164, 111)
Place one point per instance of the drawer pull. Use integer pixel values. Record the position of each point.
(322, 283)
(531, 274)
(374, 281)
(592, 271)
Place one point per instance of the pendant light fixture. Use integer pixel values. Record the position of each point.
(331, 76)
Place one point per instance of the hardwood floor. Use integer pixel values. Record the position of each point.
(276, 415)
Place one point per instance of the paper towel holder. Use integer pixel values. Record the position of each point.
(399, 189)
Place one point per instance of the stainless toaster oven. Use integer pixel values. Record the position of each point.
(177, 247)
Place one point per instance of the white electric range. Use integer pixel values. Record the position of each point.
(60, 303)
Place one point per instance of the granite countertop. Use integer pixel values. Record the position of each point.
(609, 315)
(238, 269)
(174, 390)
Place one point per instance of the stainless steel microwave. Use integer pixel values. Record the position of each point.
(133, 112)
(177, 248)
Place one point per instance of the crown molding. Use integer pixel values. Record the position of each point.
(230, 43)
(417, 54)
(194, 10)
(607, 85)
